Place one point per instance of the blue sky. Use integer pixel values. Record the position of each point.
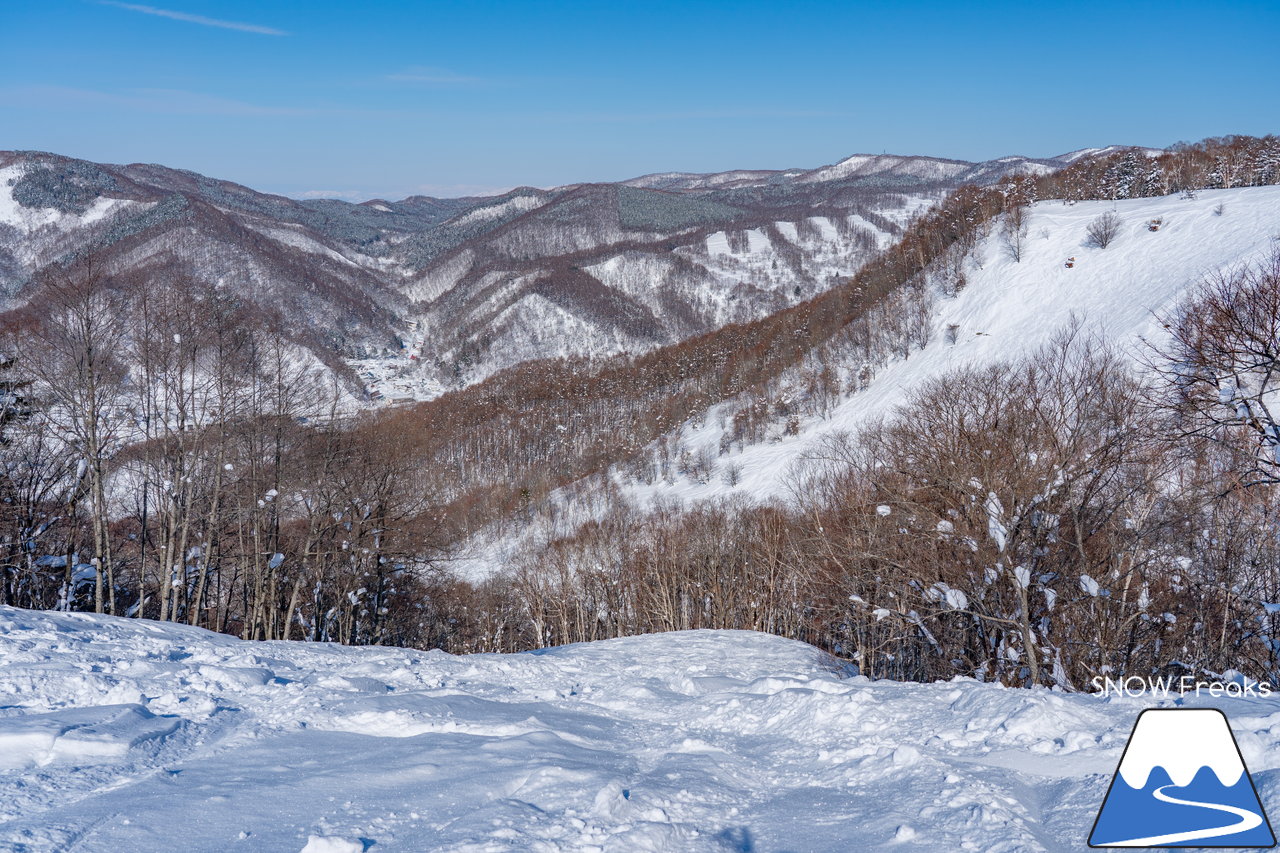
(391, 99)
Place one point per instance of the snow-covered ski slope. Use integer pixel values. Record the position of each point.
(1010, 308)
(119, 735)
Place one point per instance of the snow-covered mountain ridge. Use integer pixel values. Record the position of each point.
(134, 735)
(424, 294)
(1006, 309)
(1009, 308)
(883, 169)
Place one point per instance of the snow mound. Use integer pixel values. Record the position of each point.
(331, 844)
(681, 742)
(80, 735)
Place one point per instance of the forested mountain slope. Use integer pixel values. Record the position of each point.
(747, 449)
(568, 493)
(1008, 308)
(1034, 441)
(424, 294)
(776, 372)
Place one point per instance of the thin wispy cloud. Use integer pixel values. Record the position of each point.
(195, 19)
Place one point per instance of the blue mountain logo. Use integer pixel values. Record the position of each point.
(1182, 783)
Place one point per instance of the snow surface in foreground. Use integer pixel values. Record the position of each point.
(120, 735)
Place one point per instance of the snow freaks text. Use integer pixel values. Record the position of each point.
(1166, 686)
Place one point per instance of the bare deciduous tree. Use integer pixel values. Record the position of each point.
(1103, 231)
(1223, 363)
(76, 343)
(1015, 224)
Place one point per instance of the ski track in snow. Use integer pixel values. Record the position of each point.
(122, 735)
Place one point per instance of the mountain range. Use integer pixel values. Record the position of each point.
(407, 299)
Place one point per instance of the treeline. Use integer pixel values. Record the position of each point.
(1042, 522)
(1223, 163)
(168, 452)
